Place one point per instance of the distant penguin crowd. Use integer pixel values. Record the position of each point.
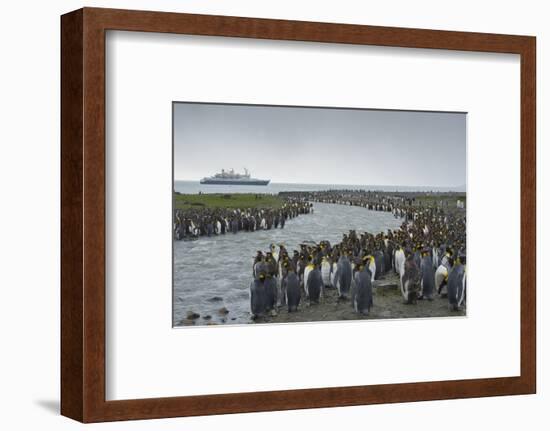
(401, 204)
(191, 223)
(428, 252)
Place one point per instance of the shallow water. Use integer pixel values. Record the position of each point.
(221, 266)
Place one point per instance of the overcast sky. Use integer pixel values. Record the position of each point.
(321, 145)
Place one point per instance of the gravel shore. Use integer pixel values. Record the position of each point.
(388, 304)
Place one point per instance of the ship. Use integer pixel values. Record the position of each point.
(233, 178)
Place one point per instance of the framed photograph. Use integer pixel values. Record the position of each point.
(268, 215)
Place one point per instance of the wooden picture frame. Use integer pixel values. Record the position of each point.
(83, 214)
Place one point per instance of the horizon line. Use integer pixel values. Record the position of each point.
(345, 184)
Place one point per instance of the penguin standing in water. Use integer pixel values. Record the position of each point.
(457, 284)
(344, 275)
(209, 228)
(257, 296)
(362, 297)
(427, 283)
(292, 290)
(315, 285)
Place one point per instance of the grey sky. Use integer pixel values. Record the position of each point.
(321, 146)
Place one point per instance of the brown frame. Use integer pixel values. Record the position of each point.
(83, 214)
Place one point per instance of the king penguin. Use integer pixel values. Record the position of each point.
(257, 296)
(314, 285)
(362, 298)
(326, 269)
(428, 276)
(292, 291)
(344, 273)
(457, 284)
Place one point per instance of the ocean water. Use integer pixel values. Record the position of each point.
(194, 187)
(217, 267)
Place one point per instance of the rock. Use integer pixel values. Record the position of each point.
(386, 284)
(187, 322)
(191, 315)
(233, 318)
(207, 317)
(223, 311)
(216, 299)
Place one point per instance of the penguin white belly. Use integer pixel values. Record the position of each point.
(441, 275)
(306, 275)
(399, 260)
(218, 227)
(372, 269)
(401, 274)
(333, 280)
(281, 293)
(262, 224)
(463, 294)
(325, 273)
